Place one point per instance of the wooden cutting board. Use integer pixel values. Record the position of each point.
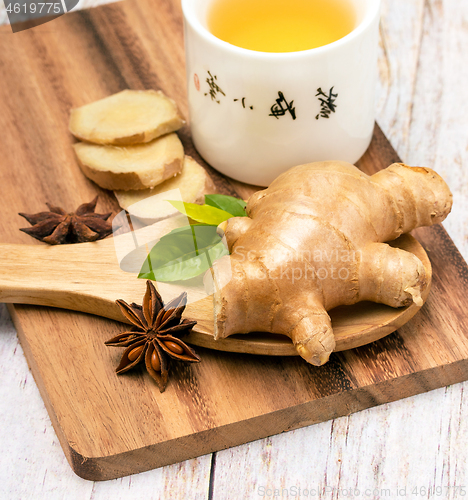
(112, 426)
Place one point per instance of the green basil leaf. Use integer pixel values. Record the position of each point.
(205, 214)
(234, 206)
(183, 253)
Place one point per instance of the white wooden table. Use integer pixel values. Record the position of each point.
(398, 450)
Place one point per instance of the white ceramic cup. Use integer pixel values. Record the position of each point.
(255, 114)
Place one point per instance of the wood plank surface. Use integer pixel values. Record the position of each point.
(266, 459)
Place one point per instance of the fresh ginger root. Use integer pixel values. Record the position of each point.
(313, 240)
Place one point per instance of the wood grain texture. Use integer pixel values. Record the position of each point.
(381, 447)
(30, 475)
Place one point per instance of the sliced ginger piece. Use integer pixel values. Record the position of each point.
(150, 205)
(128, 117)
(131, 167)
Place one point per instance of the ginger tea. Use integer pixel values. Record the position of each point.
(281, 25)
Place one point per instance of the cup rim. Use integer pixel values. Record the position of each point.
(194, 22)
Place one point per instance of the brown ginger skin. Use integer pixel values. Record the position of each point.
(314, 239)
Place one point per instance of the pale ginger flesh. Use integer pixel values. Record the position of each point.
(151, 205)
(128, 117)
(314, 240)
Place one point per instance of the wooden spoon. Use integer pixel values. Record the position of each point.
(87, 277)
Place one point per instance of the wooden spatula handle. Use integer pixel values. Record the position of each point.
(82, 277)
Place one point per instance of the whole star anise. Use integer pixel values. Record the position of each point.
(57, 227)
(154, 337)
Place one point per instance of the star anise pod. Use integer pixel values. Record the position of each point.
(57, 227)
(155, 335)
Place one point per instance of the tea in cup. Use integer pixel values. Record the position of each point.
(273, 84)
(279, 26)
